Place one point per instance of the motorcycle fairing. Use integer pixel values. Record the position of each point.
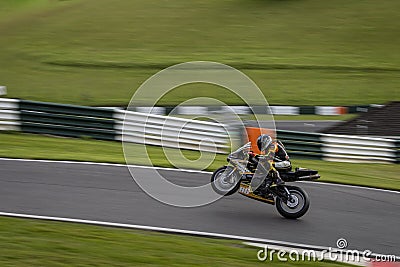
(245, 190)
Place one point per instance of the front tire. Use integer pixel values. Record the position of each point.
(299, 205)
(225, 181)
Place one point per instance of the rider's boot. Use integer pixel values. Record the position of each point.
(264, 190)
(277, 180)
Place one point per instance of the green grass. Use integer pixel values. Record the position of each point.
(364, 174)
(19, 145)
(15, 10)
(42, 147)
(305, 52)
(40, 243)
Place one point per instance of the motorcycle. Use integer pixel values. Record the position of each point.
(292, 202)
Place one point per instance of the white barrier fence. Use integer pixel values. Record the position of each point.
(243, 110)
(170, 131)
(9, 114)
(360, 149)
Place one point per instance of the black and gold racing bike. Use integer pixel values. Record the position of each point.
(292, 202)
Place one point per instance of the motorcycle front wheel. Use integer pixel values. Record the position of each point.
(225, 181)
(297, 206)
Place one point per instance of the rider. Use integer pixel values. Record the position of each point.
(273, 157)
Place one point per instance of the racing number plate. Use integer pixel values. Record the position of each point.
(244, 189)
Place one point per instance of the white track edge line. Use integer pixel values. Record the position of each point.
(158, 229)
(104, 164)
(184, 170)
(168, 230)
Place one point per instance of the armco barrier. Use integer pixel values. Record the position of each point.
(245, 110)
(358, 149)
(66, 120)
(54, 108)
(299, 144)
(397, 143)
(170, 132)
(109, 124)
(9, 115)
(340, 147)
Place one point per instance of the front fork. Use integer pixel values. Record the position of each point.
(230, 175)
(282, 192)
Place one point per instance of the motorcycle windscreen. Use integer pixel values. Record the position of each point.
(260, 174)
(241, 152)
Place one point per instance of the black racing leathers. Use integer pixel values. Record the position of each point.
(265, 165)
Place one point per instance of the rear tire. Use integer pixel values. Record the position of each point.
(223, 185)
(298, 208)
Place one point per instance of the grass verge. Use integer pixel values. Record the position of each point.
(42, 243)
(313, 52)
(43, 147)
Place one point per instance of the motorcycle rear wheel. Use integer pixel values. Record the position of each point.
(299, 205)
(222, 185)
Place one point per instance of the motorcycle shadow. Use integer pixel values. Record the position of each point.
(254, 214)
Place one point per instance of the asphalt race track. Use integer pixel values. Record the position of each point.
(368, 219)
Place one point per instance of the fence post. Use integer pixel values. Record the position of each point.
(3, 90)
(9, 115)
